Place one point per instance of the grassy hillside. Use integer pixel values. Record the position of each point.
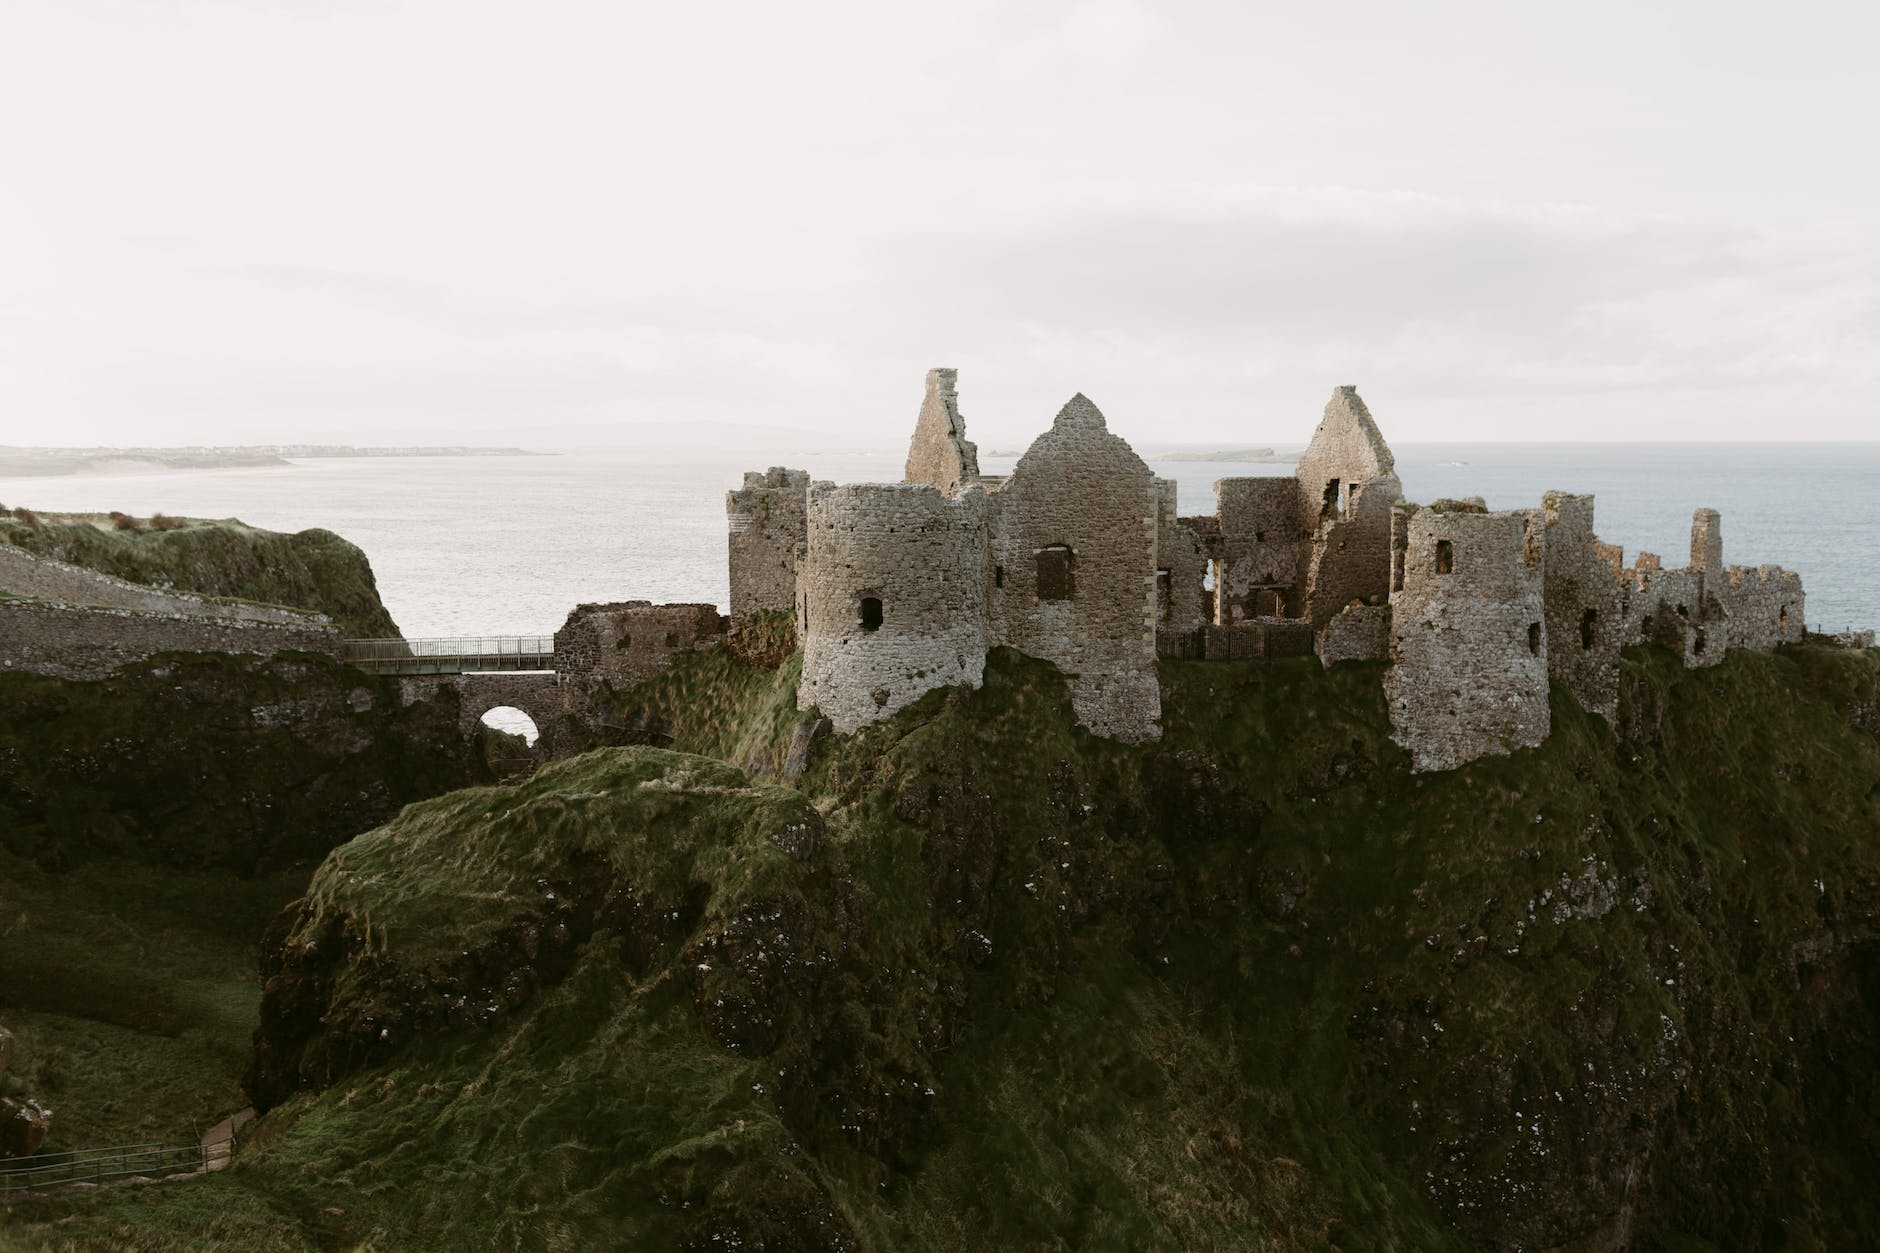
(980, 980)
(313, 569)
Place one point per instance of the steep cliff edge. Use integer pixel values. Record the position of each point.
(982, 980)
(230, 761)
(313, 569)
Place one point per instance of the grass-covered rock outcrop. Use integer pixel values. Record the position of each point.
(215, 760)
(980, 980)
(313, 569)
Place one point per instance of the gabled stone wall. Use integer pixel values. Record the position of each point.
(1348, 484)
(1080, 498)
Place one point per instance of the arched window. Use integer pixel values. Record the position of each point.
(1056, 576)
(871, 613)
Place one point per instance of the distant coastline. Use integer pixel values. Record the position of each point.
(1264, 456)
(20, 463)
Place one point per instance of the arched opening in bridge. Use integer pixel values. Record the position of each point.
(508, 738)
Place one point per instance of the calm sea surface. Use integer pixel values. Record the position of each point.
(507, 545)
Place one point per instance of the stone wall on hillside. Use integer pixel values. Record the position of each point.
(83, 642)
(32, 577)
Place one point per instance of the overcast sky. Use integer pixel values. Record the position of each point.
(261, 220)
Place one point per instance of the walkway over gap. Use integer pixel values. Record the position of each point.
(461, 655)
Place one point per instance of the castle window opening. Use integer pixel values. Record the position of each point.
(1445, 557)
(871, 613)
(1697, 643)
(624, 642)
(672, 639)
(1056, 579)
(1334, 505)
(1589, 621)
(1164, 595)
(1782, 620)
(1266, 604)
(1259, 537)
(998, 576)
(1210, 577)
(1534, 638)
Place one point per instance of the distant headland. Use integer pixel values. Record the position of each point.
(19, 462)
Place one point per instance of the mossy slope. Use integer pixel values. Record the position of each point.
(313, 569)
(985, 981)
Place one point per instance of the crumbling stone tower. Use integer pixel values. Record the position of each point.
(767, 518)
(940, 453)
(893, 588)
(1468, 674)
(1584, 621)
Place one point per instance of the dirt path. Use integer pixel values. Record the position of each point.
(218, 1142)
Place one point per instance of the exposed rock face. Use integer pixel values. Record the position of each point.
(203, 760)
(24, 1126)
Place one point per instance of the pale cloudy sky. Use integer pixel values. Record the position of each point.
(252, 220)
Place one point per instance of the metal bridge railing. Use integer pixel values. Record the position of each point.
(455, 655)
(53, 1170)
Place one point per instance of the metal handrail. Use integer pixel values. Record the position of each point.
(451, 654)
(52, 1170)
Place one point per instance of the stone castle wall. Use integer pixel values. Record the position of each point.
(33, 577)
(1357, 633)
(893, 585)
(940, 454)
(1261, 541)
(767, 528)
(1584, 622)
(1347, 485)
(1764, 606)
(89, 642)
(632, 641)
(1468, 675)
(1181, 567)
(1074, 558)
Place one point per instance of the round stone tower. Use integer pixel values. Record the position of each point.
(891, 597)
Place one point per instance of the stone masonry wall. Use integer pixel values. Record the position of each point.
(77, 642)
(1584, 624)
(1261, 538)
(1764, 606)
(630, 642)
(1347, 487)
(766, 519)
(1181, 561)
(1358, 633)
(940, 453)
(1080, 488)
(1468, 674)
(41, 578)
(894, 583)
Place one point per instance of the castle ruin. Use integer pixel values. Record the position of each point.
(1081, 557)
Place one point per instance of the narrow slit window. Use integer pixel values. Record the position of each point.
(1589, 628)
(1445, 557)
(1534, 638)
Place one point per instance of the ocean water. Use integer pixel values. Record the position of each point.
(507, 545)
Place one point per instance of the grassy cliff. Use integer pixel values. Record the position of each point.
(313, 569)
(981, 980)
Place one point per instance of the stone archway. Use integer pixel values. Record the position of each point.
(537, 695)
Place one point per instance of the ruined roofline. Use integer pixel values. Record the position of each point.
(1346, 407)
(939, 452)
